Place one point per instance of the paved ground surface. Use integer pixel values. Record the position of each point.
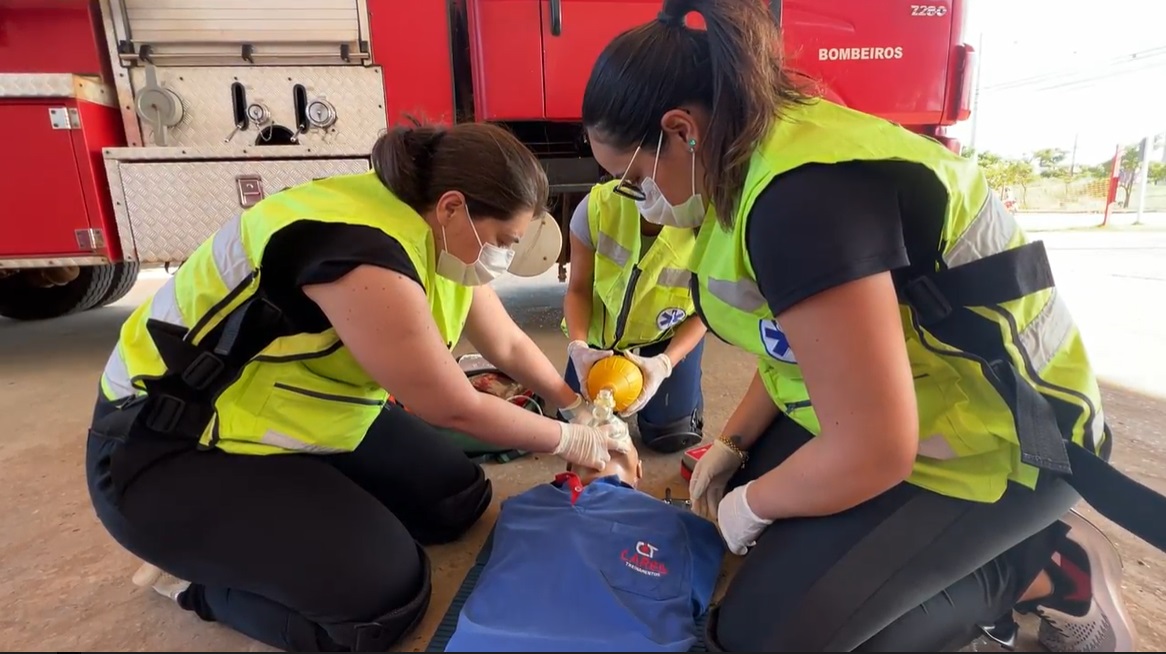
(65, 585)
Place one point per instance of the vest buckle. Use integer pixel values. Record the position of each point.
(930, 304)
(164, 413)
(203, 371)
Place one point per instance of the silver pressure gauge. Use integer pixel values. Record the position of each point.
(321, 113)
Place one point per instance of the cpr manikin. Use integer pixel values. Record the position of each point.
(588, 563)
(624, 466)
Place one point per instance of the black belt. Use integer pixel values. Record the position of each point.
(939, 301)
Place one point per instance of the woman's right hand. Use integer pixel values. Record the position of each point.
(591, 447)
(582, 357)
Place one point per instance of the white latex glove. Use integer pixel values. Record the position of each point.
(706, 487)
(583, 356)
(578, 412)
(655, 369)
(591, 446)
(739, 525)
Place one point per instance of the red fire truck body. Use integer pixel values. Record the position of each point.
(137, 127)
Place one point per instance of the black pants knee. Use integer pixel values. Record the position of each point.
(873, 579)
(300, 552)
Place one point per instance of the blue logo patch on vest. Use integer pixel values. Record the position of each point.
(669, 318)
(775, 342)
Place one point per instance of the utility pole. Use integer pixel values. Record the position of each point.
(976, 99)
(1144, 173)
(1073, 157)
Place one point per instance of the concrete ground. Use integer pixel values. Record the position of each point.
(65, 585)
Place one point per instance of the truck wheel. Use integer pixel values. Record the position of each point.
(21, 300)
(125, 275)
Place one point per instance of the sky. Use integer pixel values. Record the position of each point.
(1052, 71)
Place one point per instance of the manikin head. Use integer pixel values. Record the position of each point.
(625, 465)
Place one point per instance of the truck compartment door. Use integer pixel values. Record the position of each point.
(44, 211)
(574, 32)
(884, 57)
(506, 59)
(196, 32)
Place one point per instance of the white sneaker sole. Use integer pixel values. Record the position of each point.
(1105, 578)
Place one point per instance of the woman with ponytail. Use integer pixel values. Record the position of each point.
(900, 471)
(242, 443)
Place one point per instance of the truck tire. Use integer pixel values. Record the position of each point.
(20, 300)
(125, 275)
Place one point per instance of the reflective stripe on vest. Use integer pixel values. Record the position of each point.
(301, 392)
(968, 432)
(636, 300)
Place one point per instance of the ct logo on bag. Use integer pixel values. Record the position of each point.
(669, 318)
(774, 341)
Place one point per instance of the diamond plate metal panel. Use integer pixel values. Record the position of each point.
(172, 207)
(225, 152)
(55, 85)
(357, 93)
(53, 263)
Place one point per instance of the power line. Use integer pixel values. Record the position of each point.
(1104, 68)
(1083, 81)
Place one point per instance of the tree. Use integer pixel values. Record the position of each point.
(1049, 160)
(1100, 171)
(1157, 173)
(1019, 173)
(1131, 162)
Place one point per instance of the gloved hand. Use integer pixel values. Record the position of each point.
(740, 526)
(591, 446)
(656, 369)
(583, 356)
(578, 412)
(712, 472)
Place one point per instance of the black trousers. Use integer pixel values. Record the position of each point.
(301, 552)
(907, 571)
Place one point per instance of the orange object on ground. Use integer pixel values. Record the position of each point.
(618, 373)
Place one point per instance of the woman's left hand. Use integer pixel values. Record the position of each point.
(655, 369)
(739, 525)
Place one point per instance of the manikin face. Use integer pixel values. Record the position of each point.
(626, 466)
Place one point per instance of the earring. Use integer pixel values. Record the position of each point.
(692, 145)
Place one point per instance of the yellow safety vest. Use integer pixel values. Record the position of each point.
(986, 416)
(635, 300)
(300, 393)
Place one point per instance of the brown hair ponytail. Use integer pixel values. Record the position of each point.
(497, 174)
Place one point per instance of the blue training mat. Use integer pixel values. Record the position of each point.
(449, 621)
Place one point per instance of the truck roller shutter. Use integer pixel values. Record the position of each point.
(270, 32)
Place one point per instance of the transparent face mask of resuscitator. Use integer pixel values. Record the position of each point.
(492, 262)
(655, 208)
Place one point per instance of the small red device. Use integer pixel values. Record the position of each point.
(691, 456)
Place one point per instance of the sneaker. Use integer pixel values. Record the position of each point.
(163, 583)
(1086, 612)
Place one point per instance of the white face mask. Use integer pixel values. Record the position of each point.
(492, 262)
(655, 208)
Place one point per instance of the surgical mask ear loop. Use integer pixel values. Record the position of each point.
(692, 150)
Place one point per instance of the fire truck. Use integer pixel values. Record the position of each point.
(137, 127)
